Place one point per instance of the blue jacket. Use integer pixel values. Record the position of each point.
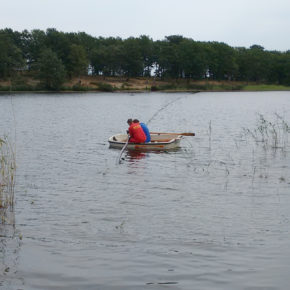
(146, 131)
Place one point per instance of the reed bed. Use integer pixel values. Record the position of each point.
(7, 179)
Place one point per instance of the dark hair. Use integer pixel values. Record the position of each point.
(135, 121)
(129, 121)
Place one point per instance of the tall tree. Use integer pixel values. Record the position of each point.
(279, 71)
(51, 70)
(221, 61)
(36, 44)
(11, 58)
(77, 64)
(193, 59)
(132, 64)
(254, 63)
(146, 48)
(107, 57)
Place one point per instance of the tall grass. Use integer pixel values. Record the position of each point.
(7, 179)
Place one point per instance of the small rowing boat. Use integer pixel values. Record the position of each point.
(159, 141)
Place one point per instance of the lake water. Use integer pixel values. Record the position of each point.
(212, 215)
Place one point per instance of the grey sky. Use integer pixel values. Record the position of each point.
(237, 23)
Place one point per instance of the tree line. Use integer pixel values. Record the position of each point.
(53, 55)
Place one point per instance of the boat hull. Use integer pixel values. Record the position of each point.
(158, 142)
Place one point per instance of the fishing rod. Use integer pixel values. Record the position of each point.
(123, 149)
(163, 108)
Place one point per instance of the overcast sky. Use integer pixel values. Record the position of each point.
(235, 22)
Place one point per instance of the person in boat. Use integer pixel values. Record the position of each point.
(145, 129)
(136, 132)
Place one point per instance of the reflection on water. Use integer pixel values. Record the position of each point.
(212, 215)
(10, 244)
(133, 155)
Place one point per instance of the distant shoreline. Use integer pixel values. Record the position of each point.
(24, 83)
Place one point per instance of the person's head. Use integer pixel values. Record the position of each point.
(135, 121)
(129, 121)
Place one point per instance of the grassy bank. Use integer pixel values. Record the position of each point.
(113, 84)
(265, 87)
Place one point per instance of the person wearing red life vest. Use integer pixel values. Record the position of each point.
(145, 129)
(136, 132)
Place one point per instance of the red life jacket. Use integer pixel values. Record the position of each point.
(137, 134)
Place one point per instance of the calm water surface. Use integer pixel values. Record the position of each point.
(212, 215)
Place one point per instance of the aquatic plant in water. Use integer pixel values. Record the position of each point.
(271, 134)
(7, 179)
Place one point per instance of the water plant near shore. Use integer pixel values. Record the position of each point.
(7, 179)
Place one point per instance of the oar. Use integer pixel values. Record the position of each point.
(123, 149)
(182, 134)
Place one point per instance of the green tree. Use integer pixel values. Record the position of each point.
(146, 48)
(11, 59)
(51, 70)
(114, 59)
(167, 59)
(254, 63)
(35, 44)
(97, 60)
(77, 61)
(279, 71)
(221, 60)
(173, 56)
(159, 61)
(193, 60)
(107, 58)
(60, 43)
(132, 62)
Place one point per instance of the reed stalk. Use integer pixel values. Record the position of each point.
(271, 134)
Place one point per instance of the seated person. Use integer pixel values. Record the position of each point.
(136, 132)
(145, 129)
